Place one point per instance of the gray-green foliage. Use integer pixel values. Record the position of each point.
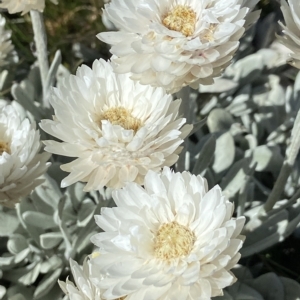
(37, 240)
(250, 114)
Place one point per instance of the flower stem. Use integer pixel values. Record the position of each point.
(286, 169)
(185, 111)
(40, 38)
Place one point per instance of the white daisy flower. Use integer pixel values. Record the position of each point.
(173, 239)
(175, 43)
(21, 164)
(6, 46)
(116, 128)
(291, 31)
(23, 6)
(83, 289)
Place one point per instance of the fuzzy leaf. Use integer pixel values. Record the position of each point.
(47, 283)
(16, 243)
(206, 155)
(8, 223)
(39, 220)
(224, 154)
(50, 240)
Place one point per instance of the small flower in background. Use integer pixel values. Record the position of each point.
(84, 288)
(175, 43)
(20, 163)
(24, 6)
(116, 128)
(291, 31)
(6, 46)
(173, 239)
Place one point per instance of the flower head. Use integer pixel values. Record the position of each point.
(84, 288)
(6, 46)
(20, 163)
(175, 43)
(172, 239)
(291, 31)
(116, 128)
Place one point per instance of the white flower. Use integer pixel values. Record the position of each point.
(20, 163)
(173, 239)
(115, 127)
(84, 288)
(291, 31)
(24, 6)
(6, 46)
(175, 43)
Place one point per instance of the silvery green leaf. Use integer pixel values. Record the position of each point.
(246, 69)
(208, 106)
(5, 80)
(261, 235)
(197, 126)
(86, 212)
(16, 243)
(61, 74)
(8, 223)
(56, 173)
(76, 194)
(33, 231)
(206, 155)
(263, 283)
(236, 176)
(267, 158)
(2, 291)
(26, 275)
(266, 28)
(241, 291)
(53, 70)
(224, 153)
(39, 220)
(17, 297)
(291, 289)
(50, 264)
(219, 86)
(219, 120)
(49, 192)
(47, 283)
(23, 94)
(50, 240)
(294, 219)
(20, 291)
(54, 294)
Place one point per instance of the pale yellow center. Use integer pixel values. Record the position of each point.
(4, 147)
(121, 116)
(181, 18)
(173, 240)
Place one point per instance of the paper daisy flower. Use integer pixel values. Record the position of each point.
(175, 43)
(23, 6)
(6, 46)
(291, 31)
(116, 128)
(21, 164)
(83, 289)
(172, 239)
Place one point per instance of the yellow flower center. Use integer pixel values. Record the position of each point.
(121, 116)
(181, 18)
(173, 240)
(4, 147)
